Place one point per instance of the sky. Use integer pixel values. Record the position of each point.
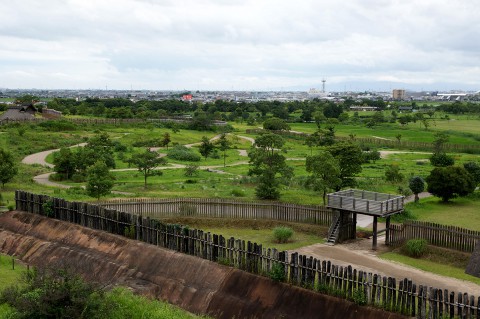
(355, 45)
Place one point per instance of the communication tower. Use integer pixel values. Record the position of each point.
(323, 85)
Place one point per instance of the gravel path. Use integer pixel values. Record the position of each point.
(359, 255)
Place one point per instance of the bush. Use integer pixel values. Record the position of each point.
(282, 234)
(78, 178)
(415, 247)
(182, 153)
(58, 125)
(359, 297)
(237, 193)
(277, 273)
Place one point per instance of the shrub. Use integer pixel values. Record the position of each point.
(359, 297)
(415, 247)
(129, 232)
(58, 125)
(182, 153)
(191, 170)
(392, 174)
(48, 208)
(282, 234)
(78, 178)
(277, 273)
(237, 193)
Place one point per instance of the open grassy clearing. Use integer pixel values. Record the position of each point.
(256, 231)
(461, 212)
(9, 276)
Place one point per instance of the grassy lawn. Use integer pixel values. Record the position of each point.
(256, 231)
(430, 266)
(461, 212)
(8, 276)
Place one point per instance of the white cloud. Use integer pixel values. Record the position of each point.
(208, 44)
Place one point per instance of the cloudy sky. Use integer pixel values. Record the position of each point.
(240, 44)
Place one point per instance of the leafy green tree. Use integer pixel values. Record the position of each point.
(325, 173)
(269, 165)
(393, 174)
(417, 185)
(65, 162)
(276, 124)
(350, 158)
(206, 147)
(146, 162)
(99, 180)
(99, 148)
(450, 182)
(474, 169)
(224, 146)
(8, 167)
(166, 139)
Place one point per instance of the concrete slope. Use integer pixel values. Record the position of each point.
(192, 283)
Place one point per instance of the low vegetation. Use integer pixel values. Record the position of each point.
(61, 293)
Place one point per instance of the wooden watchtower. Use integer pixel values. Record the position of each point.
(349, 203)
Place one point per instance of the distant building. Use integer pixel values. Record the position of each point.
(398, 94)
(19, 112)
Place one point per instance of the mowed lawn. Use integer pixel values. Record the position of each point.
(265, 237)
(461, 212)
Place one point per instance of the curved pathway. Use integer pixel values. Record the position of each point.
(43, 179)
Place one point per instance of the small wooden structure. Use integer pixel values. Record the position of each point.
(349, 203)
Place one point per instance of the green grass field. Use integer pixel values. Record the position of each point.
(461, 212)
(9, 276)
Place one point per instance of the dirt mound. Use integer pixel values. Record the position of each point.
(192, 283)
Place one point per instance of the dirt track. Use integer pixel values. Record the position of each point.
(359, 255)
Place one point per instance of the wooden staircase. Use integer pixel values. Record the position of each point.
(333, 232)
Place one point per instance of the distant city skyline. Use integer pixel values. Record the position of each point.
(244, 45)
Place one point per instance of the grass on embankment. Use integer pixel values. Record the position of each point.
(9, 276)
(432, 264)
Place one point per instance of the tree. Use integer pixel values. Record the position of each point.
(206, 148)
(350, 158)
(417, 185)
(276, 124)
(392, 174)
(224, 145)
(8, 168)
(65, 162)
(269, 165)
(450, 182)
(325, 173)
(166, 140)
(146, 163)
(99, 180)
(473, 169)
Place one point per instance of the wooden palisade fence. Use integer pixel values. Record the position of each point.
(438, 235)
(402, 296)
(223, 208)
